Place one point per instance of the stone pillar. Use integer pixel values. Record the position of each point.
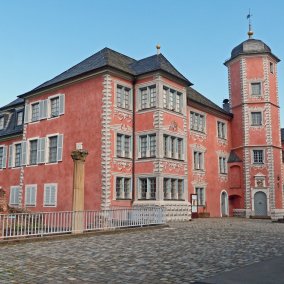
(79, 157)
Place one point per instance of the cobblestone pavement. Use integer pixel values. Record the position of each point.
(182, 253)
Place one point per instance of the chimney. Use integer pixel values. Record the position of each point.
(226, 105)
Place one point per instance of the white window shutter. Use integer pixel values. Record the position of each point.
(27, 111)
(138, 188)
(139, 99)
(46, 195)
(33, 196)
(123, 145)
(41, 150)
(130, 99)
(24, 153)
(53, 195)
(4, 160)
(61, 104)
(10, 161)
(148, 146)
(59, 147)
(139, 146)
(130, 147)
(43, 109)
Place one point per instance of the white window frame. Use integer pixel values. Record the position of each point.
(222, 165)
(148, 88)
(123, 189)
(196, 126)
(251, 88)
(31, 111)
(148, 192)
(3, 164)
(22, 119)
(61, 108)
(222, 130)
(12, 194)
(123, 86)
(55, 197)
(170, 99)
(201, 161)
(148, 146)
(252, 120)
(47, 148)
(167, 141)
(197, 191)
(263, 156)
(123, 155)
(28, 151)
(30, 187)
(167, 192)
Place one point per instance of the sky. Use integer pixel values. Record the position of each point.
(41, 39)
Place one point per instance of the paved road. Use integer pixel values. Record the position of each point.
(182, 253)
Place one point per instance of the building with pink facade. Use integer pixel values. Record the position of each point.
(152, 138)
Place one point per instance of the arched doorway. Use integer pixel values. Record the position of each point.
(224, 204)
(260, 204)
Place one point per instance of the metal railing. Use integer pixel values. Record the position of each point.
(50, 223)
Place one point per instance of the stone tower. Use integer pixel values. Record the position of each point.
(252, 74)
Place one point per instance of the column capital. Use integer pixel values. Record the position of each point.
(79, 155)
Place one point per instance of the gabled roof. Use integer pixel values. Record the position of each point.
(234, 158)
(196, 97)
(110, 58)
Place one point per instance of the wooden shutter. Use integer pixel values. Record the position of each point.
(139, 146)
(24, 153)
(43, 109)
(27, 111)
(10, 161)
(46, 195)
(59, 147)
(53, 198)
(61, 104)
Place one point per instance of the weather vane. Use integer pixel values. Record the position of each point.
(250, 32)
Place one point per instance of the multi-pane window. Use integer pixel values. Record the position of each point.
(173, 189)
(200, 191)
(222, 165)
(35, 111)
(256, 118)
(221, 128)
(50, 195)
(54, 107)
(1, 122)
(198, 160)
(148, 97)
(52, 151)
(147, 146)
(33, 152)
(14, 195)
(197, 121)
(123, 97)
(258, 157)
(18, 155)
(123, 188)
(172, 99)
(3, 157)
(256, 89)
(147, 188)
(173, 147)
(19, 118)
(30, 195)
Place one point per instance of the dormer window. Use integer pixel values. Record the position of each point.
(19, 118)
(1, 122)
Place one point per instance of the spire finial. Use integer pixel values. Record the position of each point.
(250, 32)
(158, 48)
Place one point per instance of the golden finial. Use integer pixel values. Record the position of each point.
(250, 32)
(158, 48)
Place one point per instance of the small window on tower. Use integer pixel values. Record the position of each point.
(256, 89)
(271, 66)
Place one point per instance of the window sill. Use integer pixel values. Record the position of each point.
(172, 110)
(174, 159)
(198, 132)
(145, 158)
(123, 108)
(174, 199)
(126, 158)
(123, 199)
(144, 199)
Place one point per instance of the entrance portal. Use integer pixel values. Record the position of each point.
(260, 204)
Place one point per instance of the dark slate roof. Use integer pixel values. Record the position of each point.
(14, 103)
(251, 46)
(110, 58)
(12, 128)
(196, 97)
(282, 134)
(234, 158)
